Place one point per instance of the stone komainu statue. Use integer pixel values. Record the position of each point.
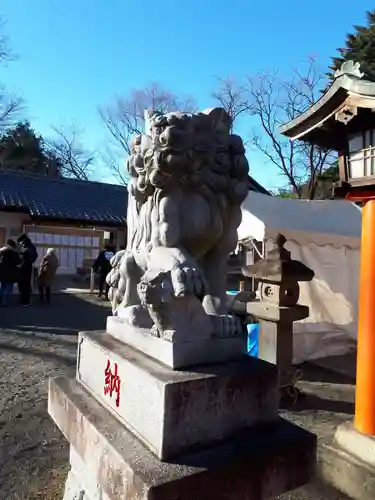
(189, 176)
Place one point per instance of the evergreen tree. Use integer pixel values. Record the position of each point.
(359, 47)
(323, 186)
(21, 149)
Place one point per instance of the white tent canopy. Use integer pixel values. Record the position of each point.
(325, 236)
(324, 222)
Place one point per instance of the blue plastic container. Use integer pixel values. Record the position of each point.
(253, 339)
(252, 334)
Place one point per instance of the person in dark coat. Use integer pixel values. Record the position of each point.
(9, 269)
(28, 256)
(102, 265)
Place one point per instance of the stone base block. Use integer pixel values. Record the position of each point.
(173, 411)
(257, 465)
(81, 483)
(177, 355)
(355, 443)
(348, 463)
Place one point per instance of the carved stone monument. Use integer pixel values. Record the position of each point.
(166, 405)
(168, 288)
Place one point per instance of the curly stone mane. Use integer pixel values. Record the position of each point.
(195, 151)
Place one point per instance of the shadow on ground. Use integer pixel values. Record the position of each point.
(308, 401)
(68, 314)
(325, 389)
(332, 370)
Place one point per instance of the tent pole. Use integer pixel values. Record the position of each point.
(364, 420)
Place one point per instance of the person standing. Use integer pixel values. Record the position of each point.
(28, 256)
(9, 269)
(102, 265)
(47, 272)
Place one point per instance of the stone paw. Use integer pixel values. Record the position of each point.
(136, 316)
(154, 331)
(188, 280)
(169, 335)
(226, 326)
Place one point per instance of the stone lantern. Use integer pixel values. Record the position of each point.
(277, 306)
(343, 120)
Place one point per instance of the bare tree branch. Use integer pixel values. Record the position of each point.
(114, 161)
(74, 160)
(274, 101)
(10, 103)
(125, 118)
(10, 107)
(6, 53)
(232, 98)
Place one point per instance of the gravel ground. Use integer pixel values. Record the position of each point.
(37, 343)
(40, 342)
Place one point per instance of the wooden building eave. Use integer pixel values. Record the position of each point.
(318, 125)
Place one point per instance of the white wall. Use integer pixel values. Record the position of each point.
(13, 223)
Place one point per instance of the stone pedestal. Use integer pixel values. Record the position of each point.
(175, 411)
(110, 463)
(177, 355)
(140, 430)
(348, 463)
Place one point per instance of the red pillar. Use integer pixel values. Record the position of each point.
(364, 420)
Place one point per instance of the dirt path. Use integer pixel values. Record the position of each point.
(41, 342)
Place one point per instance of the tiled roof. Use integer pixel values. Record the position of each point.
(258, 188)
(67, 199)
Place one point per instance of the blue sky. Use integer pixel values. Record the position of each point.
(75, 55)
